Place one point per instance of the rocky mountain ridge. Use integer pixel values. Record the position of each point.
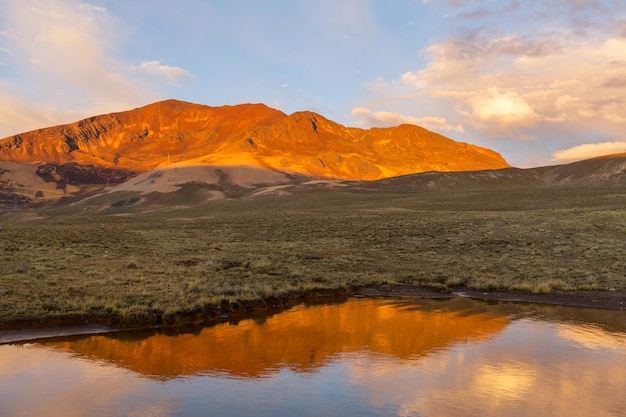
(255, 135)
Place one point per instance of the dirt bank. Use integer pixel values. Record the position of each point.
(32, 328)
(39, 328)
(613, 300)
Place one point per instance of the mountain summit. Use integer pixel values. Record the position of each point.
(175, 132)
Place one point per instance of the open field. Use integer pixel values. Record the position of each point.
(142, 266)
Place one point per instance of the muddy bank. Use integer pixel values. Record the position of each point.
(33, 328)
(613, 300)
(28, 329)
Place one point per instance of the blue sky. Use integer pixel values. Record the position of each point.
(541, 82)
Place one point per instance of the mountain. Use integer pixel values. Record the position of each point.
(252, 135)
(139, 139)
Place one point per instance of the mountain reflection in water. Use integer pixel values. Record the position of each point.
(301, 339)
(362, 357)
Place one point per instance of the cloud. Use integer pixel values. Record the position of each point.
(619, 81)
(16, 115)
(505, 109)
(386, 118)
(503, 83)
(92, 7)
(588, 150)
(62, 57)
(155, 68)
(541, 77)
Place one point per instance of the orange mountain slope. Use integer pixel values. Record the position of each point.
(249, 134)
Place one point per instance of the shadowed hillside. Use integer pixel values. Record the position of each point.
(606, 171)
(34, 185)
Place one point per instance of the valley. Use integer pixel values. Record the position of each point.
(164, 264)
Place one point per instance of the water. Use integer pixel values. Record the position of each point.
(359, 358)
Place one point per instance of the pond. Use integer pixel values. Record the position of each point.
(364, 357)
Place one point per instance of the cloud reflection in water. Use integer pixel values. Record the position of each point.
(364, 357)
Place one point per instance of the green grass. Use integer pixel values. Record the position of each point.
(69, 261)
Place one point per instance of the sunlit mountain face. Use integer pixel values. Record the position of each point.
(175, 132)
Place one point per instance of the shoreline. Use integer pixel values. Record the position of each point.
(602, 299)
(26, 330)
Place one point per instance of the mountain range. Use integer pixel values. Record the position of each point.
(255, 135)
(252, 149)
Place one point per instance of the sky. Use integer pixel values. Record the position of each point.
(540, 81)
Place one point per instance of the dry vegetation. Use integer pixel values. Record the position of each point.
(63, 262)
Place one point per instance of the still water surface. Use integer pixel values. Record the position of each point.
(360, 358)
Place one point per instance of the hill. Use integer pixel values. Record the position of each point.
(605, 171)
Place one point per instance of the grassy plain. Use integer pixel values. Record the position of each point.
(138, 264)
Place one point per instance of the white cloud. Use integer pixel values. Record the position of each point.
(588, 150)
(502, 84)
(506, 109)
(543, 77)
(63, 58)
(92, 7)
(155, 68)
(386, 118)
(47, 13)
(18, 116)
